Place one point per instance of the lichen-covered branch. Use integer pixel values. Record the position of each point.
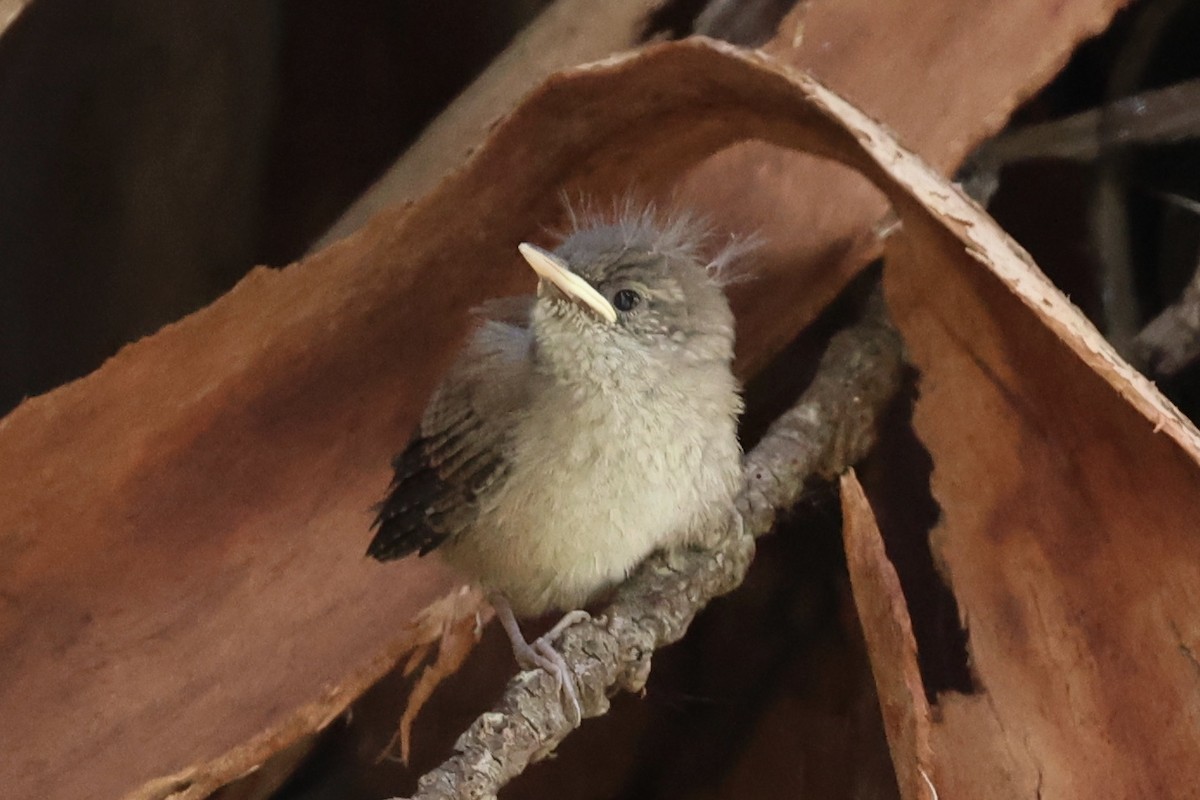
(831, 427)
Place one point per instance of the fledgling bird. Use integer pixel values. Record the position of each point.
(578, 431)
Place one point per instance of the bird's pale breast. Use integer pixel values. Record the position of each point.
(598, 481)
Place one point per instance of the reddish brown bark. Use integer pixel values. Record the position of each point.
(182, 530)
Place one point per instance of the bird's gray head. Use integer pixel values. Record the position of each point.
(630, 294)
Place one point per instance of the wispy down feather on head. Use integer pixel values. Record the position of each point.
(682, 233)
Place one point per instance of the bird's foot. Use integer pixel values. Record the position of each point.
(569, 619)
(542, 654)
(548, 658)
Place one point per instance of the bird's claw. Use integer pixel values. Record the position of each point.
(569, 619)
(542, 653)
(553, 662)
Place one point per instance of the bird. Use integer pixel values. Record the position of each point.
(579, 429)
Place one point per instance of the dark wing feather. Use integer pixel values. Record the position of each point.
(401, 519)
(460, 448)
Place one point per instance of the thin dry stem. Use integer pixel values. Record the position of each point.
(1172, 339)
(1158, 116)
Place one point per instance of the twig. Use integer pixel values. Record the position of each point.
(1108, 216)
(1171, 340)
(1156, 117)
(831, 427)
(1161, 116)
(749, 23)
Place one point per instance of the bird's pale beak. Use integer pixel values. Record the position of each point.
(551, 268)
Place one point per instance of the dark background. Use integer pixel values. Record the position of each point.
(151, 153)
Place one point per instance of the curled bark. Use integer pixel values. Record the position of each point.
(831, 427)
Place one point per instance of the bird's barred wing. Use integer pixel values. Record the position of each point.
(460, 448)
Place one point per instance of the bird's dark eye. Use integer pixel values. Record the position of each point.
(626, 300)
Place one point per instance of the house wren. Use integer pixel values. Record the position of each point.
(578, 431)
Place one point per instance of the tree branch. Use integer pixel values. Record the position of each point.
(831, 427)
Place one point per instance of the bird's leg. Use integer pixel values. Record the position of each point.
(542, 653)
